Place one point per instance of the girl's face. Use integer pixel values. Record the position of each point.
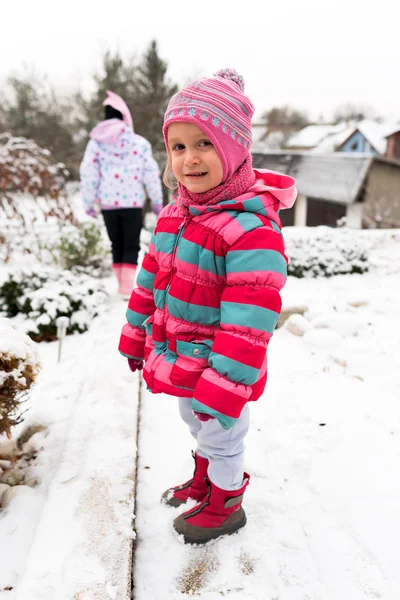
(194, 160)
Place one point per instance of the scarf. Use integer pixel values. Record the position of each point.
(237, 185)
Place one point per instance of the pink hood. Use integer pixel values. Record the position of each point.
(108, 131)
(116, 102)
(282, 187)
(257, 199)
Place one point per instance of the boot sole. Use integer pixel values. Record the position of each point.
(173, 502)
(202, 535)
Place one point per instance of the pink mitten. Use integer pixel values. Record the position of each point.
(202, 416)
(91, 213)
(157, 209)
(135, 365)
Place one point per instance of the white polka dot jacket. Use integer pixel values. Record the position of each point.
(118, 169)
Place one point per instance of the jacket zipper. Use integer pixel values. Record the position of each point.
(181, 229)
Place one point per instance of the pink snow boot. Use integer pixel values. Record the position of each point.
(117, 268)
(220, 513)
(196, 488)
(127, 279)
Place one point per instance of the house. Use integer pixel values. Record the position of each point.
(368, 136)
(312, 136)
(365, 136)
(393, 144)
(267, 139)
(363, 188)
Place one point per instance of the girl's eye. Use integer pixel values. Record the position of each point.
(178, 147)
(204, 143)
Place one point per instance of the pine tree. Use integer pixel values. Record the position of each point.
(152, 93)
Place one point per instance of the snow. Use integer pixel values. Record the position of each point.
(376, 133)
(74, 534)
(328, 138)
(15, 343)
(311, 135)
(333, 140)
(258, 132)
(323, 453)
(323, 500)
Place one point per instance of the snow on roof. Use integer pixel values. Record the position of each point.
(264, 141)
(328, 138)
(312, 135)
(394, 129)
(334, 140)
(258, 131)
(375, 133)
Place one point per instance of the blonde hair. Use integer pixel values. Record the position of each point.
(169, 179)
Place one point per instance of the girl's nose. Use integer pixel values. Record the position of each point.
(192, 158)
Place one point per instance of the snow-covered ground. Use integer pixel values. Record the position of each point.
(323, 453)
(71, 538)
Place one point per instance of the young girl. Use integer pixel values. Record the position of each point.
(117, 167)
(207, 297)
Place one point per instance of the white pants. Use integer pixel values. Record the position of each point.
(224, 448)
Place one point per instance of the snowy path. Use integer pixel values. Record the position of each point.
(323, 453)
(81, 530)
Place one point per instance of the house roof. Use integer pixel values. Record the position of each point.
(375, 133)
(312, 135)
(329, 138)
(334, 140)
(336, 177)
(265, 141)
(258, 131)
(392, 131)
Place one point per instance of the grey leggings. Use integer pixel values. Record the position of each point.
(224, 448)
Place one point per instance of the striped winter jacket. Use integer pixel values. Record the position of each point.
(207, 299)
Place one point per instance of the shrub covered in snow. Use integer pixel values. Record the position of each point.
(80, 248)
(31, 188)
(41, 296)
(323, 251)
(19, 366)
(26, 167)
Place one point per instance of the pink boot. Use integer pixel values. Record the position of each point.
(220, 513)
(196, 488)
(117, 268)
(127, 280)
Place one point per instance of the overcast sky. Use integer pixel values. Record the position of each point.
(310, 54)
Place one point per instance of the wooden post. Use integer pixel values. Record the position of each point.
(300, 211)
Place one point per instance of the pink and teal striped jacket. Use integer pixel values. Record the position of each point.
(207, 299)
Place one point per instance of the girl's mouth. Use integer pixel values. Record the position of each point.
(196, 175)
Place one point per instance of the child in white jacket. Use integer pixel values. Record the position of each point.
(117, 171)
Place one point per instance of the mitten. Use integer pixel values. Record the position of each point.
(135, 365)
(91, 213)
(203, 416)
(199, 408)
(157, 209)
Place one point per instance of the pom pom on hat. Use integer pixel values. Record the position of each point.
(232, 75)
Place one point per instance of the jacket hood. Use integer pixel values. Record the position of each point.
(282, 187)
(271, 192)
(119, 104)
(108, 131)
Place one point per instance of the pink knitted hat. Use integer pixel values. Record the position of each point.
(116, 102)
(219, 107)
